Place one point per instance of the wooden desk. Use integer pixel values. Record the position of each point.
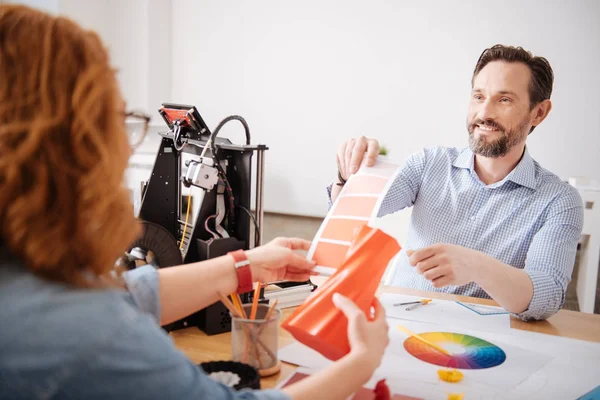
(201, 348)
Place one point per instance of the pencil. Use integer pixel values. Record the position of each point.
(255, 301)
(249, 336)
(239, 300)
(270, 311)
(229, 305)
(427, 342)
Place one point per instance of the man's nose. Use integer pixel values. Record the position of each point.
(487, 111)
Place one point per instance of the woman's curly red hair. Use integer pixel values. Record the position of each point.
(64, 211)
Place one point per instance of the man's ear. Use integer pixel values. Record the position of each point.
(541, 111)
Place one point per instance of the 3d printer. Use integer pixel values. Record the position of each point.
(224, 222)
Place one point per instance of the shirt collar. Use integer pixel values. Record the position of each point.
(465, 159)
(523, 174)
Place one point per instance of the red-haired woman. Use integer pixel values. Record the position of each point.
(68, 328)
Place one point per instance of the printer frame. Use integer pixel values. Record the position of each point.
(162, 205)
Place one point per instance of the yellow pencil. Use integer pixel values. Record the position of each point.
(427, 342)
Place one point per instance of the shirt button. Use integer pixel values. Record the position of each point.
(473, 218)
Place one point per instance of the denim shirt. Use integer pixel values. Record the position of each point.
(61, 342)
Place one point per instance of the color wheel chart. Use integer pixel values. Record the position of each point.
(357, 205)
(468, 352)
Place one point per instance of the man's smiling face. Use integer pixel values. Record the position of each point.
(500, 114)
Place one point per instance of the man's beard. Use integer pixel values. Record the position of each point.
(501, 146)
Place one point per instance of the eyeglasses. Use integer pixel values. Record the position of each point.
(136, 124)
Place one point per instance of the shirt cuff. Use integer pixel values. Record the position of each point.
(328, 188)
(142, 284)
(547, 298)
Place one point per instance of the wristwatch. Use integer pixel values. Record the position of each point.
(341, 179)
(244, 273)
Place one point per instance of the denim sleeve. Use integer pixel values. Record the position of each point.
(142, 284)
(551, 256)
(140, 361)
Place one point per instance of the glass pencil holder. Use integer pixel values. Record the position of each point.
(255, 341)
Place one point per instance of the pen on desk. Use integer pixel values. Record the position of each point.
(407, 303)
(422, 301)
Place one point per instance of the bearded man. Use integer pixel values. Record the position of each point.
(487, 220)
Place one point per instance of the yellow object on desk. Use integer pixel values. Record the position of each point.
(450, 375)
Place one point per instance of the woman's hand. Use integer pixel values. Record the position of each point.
(368, 339)
(277, 261)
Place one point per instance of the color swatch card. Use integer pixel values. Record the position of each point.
(358, 204)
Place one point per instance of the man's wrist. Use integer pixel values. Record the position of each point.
(481, 264)
(340, 181)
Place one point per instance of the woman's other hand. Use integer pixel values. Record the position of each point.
(368, 339)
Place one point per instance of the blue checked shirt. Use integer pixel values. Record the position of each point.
(530, 220)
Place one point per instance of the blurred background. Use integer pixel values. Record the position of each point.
(309, 74)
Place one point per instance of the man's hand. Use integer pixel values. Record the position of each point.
(352, 152)
(447, 264)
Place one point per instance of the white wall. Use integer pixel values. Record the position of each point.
(137, 34)
(309, 74)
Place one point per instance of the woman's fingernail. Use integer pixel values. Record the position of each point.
(335, 298)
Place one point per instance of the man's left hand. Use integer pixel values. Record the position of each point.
(447, 264)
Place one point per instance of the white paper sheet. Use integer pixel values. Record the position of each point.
(520, 362)
(537, 366)
(446, 312)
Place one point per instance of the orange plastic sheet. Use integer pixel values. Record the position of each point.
(318, 323)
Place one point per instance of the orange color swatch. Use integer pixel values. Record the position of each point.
(364, 184)
(341, 229)
(330, 254)
(381, 169)
(355, 206)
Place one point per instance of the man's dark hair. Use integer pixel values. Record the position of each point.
(542, 77)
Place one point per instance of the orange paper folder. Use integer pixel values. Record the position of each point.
(318, 323)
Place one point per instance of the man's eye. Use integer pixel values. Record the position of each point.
(505, 100)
